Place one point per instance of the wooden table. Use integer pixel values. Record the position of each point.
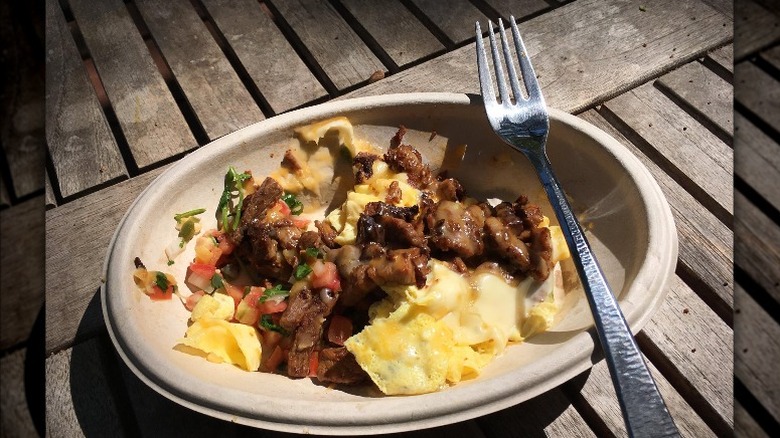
(134, 86)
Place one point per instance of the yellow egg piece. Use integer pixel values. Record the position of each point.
(215, 306)
(222, 341)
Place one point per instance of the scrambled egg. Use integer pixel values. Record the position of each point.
(212, 336)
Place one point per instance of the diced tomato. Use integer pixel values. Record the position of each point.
(271, 306)
(283, 207)
(199, 276)
(325, 274)
(340, 329)
(275, 359)
(193, 299)
(247, 314)
(300, 222)
(160, 295)
(252, 299)
(236, 292)
(314, 362)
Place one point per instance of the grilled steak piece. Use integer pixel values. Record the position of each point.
(503, 242)
(327, 233)
(256, 206)
(303, 318)
(541, 253)
(456, 229)
(338, 365)
(362, 166)
(404, 158)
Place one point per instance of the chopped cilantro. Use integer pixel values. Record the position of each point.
(273, 292)
(228, 210)
(161, 280)
(301, 271)
(313, 252)
(268, 323)
(247, 289)
(296, 206)
(216, 282)
(170, 262)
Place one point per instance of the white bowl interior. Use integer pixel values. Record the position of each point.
(628, 221)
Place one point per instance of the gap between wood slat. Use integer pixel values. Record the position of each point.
(55, 186)
(718, 69)
(673, 171)
(233, 59)
(365, 36)
(301, 49)
(488, 10)
(757, 199)
(5, 174)
(190, 117)
(705, 292)
(756, 409)
(591, 417)
(688, 391)
(429, 24)
(757, 292)
(695, 113)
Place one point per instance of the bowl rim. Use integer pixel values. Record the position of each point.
(581, 348)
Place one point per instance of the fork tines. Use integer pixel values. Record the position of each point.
(526, 69)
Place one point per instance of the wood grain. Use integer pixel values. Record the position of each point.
(550, 414)
(21, 104)
(151, 121)
(698, 346)
(278, 72)
(685, 149)
(335, 46)
(79, 399)
(562, 41)
(599, 393)
(21, 260)
(82, 147)
(5, 198)
(49, 199)
(757, 160)
(705, 95)
(16, 420)
(756, 251)
(455, 18)
(404, 38)
(213, 89)
(725, 7)
(517, 8)
(77, 313)
(755, 28)
(705, 244)
(757, 342)
(758, 92)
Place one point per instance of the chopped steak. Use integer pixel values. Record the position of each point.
(388, 224)
(398, 137)
(327, 233)
(362, 166)
(291, 162)
(506, 244)
(541, 253)
(400, 266)
(456, 229)
(304, 318)
(393, 193)
(256, 206)
(404, 158)
(338, 365)
(449, 190)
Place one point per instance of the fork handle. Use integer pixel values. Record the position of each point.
(643, 407)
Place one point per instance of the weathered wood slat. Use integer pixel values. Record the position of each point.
(599, 393)
(745, 425)
(724, 57)
(550, 414)
(5, 198)
(772, 56)
(757, 160)
(16, 420)
(49, 199)
(759, 92)
(455, 18)
(339, 51)
(82, 147)
(757, 342)
(213, 89)
(393, 26)
(21, 258)
(705, 243)
(699, 346)
(77, 312)
(276, 70)
(21, 105)
(689, 150)
(706, 95)
(756, 250)
(725, 7)
(151, 122)
(755, 28)
(79, 399)
(517, 8)
(562, 41)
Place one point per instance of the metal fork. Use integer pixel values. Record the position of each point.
(524, 125)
